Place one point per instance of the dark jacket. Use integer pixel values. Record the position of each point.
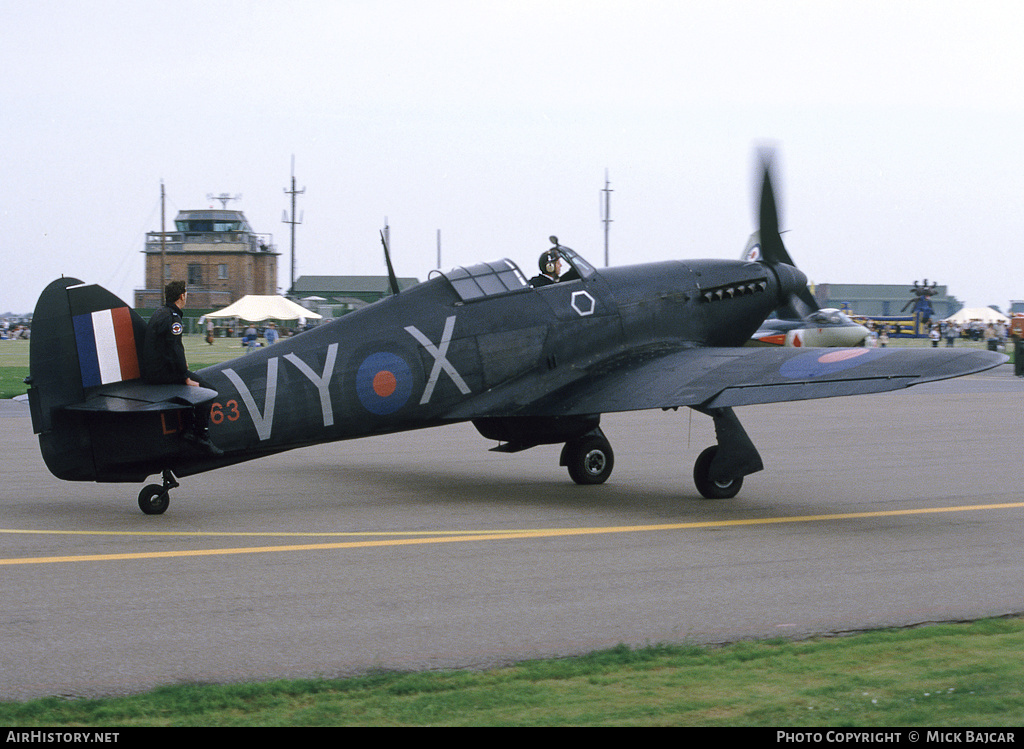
(163, 353)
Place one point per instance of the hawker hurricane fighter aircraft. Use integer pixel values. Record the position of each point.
(527, 366)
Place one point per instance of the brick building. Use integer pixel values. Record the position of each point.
(216, 252)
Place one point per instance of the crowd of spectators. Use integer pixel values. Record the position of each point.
(13, 331)
(992, 333)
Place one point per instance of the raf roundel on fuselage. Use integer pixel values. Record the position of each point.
(383, 383)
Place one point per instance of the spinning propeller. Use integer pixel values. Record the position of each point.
(796, 300)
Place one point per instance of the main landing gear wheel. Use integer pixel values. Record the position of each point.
(713, 489)
(154, 498)
(589, 459)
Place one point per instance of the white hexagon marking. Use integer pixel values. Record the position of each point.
(582, 308)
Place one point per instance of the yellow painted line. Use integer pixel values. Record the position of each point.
(460, 537)
(251, 534)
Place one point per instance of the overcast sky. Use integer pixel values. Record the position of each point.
(898, 125)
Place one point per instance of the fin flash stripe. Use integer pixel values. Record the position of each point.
(106, 346)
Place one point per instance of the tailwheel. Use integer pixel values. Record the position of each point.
(154, 498)
(589, 459)
(708, 488)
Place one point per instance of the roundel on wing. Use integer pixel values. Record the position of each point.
(818, 362)
(383, 383)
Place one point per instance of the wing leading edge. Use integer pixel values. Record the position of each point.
(724, 377)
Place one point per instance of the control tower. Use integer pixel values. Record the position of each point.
(216, 252)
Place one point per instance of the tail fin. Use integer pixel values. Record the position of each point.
(752, 252)
(82, 337)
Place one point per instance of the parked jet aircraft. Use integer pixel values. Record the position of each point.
(528, 366)
(806, 324)
(823, 328)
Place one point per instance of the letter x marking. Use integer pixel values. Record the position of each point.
(440, 354)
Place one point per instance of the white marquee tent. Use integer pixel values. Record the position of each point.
(985, 314)
(256, 308)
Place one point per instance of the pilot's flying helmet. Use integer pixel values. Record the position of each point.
(548, 260)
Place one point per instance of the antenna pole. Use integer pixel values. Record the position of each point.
(392, 280)
(162, 275)
(293, 221)
(224, 199)
(606, 213)
(439, 249)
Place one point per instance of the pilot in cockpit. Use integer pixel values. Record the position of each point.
(550, 268)
(551, 262)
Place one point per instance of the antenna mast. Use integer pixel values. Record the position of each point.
(162, 275)
(293, 221)
(224, 198)
(606, 213)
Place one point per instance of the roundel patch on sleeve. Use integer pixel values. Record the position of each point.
(176, 328)
(383, 383)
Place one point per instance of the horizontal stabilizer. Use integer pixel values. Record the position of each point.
(133, 395)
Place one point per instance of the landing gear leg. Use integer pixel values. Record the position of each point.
(154, 498)
(719, 471)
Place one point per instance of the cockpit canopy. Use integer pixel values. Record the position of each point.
(829, 317)
(503, 276)
(486, 279)
(582, 268)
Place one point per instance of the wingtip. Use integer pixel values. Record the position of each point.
(967, 362)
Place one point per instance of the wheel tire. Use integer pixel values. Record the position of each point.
(154, 499)
(713, 489)
(590, 460)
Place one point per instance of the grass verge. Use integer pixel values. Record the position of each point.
(14, 360)
(941, 675)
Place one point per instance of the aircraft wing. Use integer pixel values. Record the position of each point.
(721, 377)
